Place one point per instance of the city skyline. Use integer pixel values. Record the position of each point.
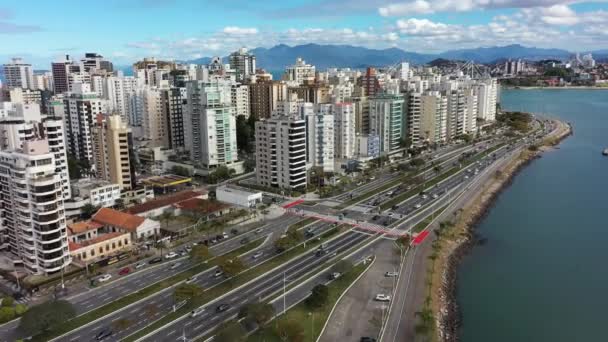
(127, 31)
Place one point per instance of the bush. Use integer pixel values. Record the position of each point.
(20, 309)
(8, 301)
(46, 316)
(6, 314)
(318, 297)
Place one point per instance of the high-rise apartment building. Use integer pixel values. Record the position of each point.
(281, 152)
(81, 107)
(386, 120)
(300, 72)
(344, 127)
(173, 102)
(95, 63)
(320, 135)
(433, 123)
(61, 73)
(33, 220)
(243, 63)
(211, 123)
(414, 119)
(264, 95)
(23, 123)
(487, 94)
(154, 119)
(18, 74)
(240, 99)
(114, 156)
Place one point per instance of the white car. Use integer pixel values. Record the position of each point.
(418, 206)
(225, 235)
(191, 280)
(391, 274)
(257, 254)
(104, 278)
(435, 196)
(383, 298)
(175, 265)
(197, 312)
(425, 197)
(466, 177)
(170, 255)
(140, 265)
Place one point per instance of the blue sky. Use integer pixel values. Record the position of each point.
(125, 30)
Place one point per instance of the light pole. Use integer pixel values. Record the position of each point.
(284, 303)
(17, 276)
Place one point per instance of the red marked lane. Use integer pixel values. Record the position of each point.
(293, 204)
(420, 238)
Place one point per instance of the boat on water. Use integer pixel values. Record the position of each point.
(605, 152)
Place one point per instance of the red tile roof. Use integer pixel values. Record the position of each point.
(163, 201)
(118, 219)
(82, 226)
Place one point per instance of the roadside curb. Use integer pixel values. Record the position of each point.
(342, 295)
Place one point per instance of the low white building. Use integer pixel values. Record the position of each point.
(99, 193)
(238, 197)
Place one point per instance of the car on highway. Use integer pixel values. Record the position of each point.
(466, 177)
(183, 252)
(155, 260)
(320, 252)
(218, 273)
(140, 265)
(418, 206)
(225, 235)
(391, 274)
(435, 196)
(124, 271)
(104, 278)
(191, 279)
(424, 197)
(257, 254)
(222, 307)
(334, 275)
(258, 231)
(383, 298)
(175, 265)
(197, 312)
(234, 231)
(244, 241)
(170, 255)
(103, 334)
(367, 339)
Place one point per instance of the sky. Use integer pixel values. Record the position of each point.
(41, 31)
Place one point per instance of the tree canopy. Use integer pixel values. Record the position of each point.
(200, 253)
(186, 292)
(45, 316)
(231, 331)
(318, 297)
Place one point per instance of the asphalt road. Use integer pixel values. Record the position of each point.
(260, 288)
(161, 303)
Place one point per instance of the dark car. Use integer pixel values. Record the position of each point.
(321, 252)
(234, 232)
(155, 260)
(124, 271)
(367, 339)
(222, 307)
(244, 241)
(105, 333)
(279, 250)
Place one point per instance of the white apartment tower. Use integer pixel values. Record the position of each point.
(18, 74)
(300, 72)
(113, 153)
(240, 99)
(414, 119)
(243, 63)
(33, 220)
(320, 135)
(211, 123)
(487, 93)
(344, 127)
(281, 152)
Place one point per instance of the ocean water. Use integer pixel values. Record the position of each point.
(543, 273)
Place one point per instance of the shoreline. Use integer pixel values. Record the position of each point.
(464, 237)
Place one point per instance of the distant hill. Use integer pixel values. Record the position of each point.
(493, 54)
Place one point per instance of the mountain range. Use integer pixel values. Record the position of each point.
(324, 56)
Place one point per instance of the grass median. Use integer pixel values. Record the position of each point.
(233, 283)
(111, 307)
(400, 198)
(427, 220)
(310, 321)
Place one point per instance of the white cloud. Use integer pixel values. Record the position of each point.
(240, 30)
(405, 8)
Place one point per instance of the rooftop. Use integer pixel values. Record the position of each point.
(166, 180)
(163, 201)
(74, 246)
(83, 226)
(201, 205)
(118, 219)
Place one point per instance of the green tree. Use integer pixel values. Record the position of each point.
(290, 330)
(8, 301)
(230, 266)
(404, 240)
(186, 292)
(45, 316)
(180, 171)
(259, 313)
(6, 314)
(20, 309)
(200, 253)
(87, 211)
(231, 331)
(318, 297)
(78, 168)
(122, 324)
(244, 134)
(119, 204)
